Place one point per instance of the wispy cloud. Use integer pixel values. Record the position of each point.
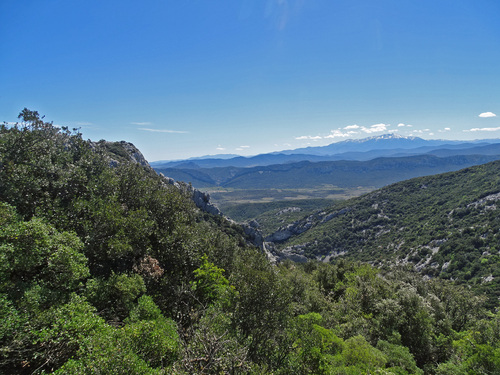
(163, 131)
(337, 134)
(312, 137)
(241, 148)
(350, 127)
(220, 148)
(483, 130)
(487, 114)
(279, 12)
(141, 123)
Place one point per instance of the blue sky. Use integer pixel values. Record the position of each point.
(195, 77)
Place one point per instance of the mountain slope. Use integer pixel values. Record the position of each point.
(446, 225)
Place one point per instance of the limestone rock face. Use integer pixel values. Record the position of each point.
(122, 151)
(297, 227)
(202, 201)
(135, 154)
(300, 226)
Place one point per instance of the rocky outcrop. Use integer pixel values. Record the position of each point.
(291, 254)
(134, 154)
(300, 226)
(119, 152)
(200, 199)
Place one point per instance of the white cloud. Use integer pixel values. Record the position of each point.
(447, 129)
(375, 128)
(163, 131)
(141, 123)
(244, 146)
(338, 134)
(302, 137)
(401, 125)
(431, 133)
(356, 129)
(220, 148)
(483, 130)
(487, 114)
(348, 131)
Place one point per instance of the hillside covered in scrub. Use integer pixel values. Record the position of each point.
(107, 267)
(446, 225)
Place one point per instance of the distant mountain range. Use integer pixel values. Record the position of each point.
(344, 173)
(379, 142)
(369, 162)
(386, 145)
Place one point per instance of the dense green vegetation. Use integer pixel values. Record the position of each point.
(107, 269)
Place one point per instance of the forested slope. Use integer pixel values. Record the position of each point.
(105, 268)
